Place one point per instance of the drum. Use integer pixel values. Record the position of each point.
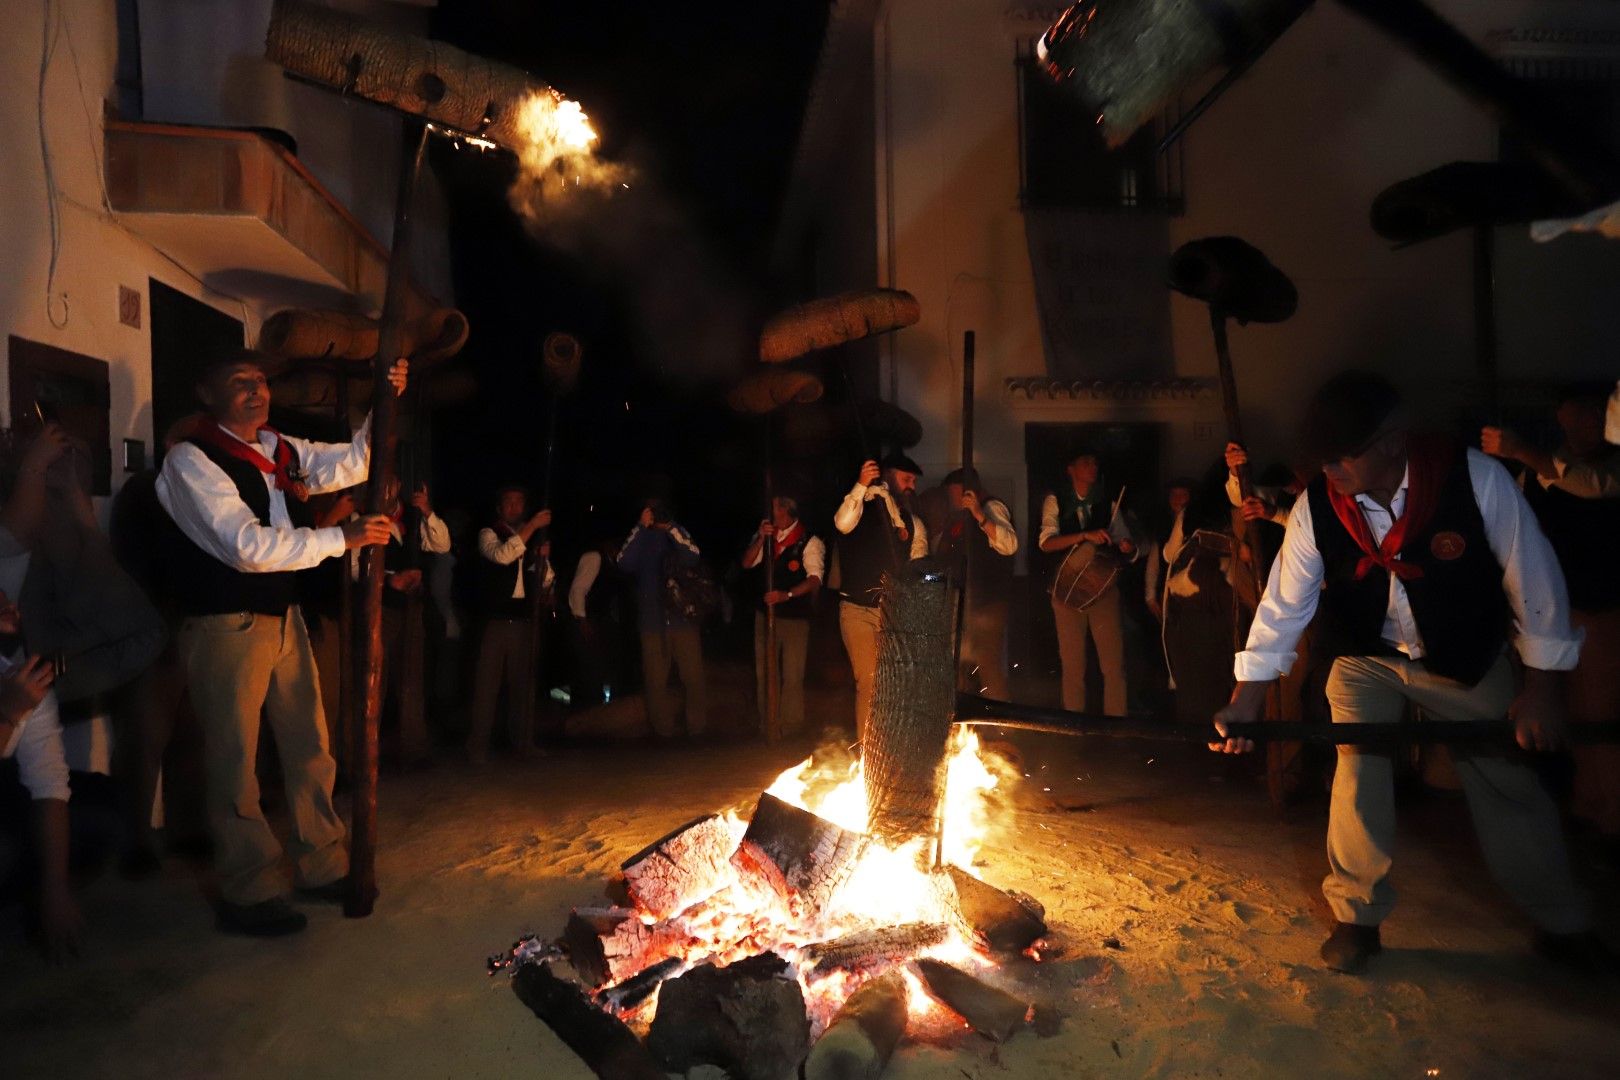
(1087, 571)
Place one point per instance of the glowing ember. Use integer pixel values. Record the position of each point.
(558, 151)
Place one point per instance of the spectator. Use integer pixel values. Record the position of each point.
(657, 548)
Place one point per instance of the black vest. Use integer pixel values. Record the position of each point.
(496, 582)
(787, 572)
(872, 549)
(204, 585)
(1582, 533)
(990, 573)
(1461, 609)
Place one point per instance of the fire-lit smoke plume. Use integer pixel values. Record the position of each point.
(558, 155)
(691, 315)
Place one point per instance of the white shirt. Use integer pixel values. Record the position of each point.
(204, 502)
(815, 556)
(432, 536)
(849, 515)
(586, 572)
(1531, 577)
(998, 527)
(508, 551)
(37, 745)
(1164, 554)
(1587, 480)
(1611, 424)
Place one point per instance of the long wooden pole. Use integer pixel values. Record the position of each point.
(346, 711)
(767, 553)
(1234, 425)
(362, 891)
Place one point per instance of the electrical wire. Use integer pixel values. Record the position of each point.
(52, 214)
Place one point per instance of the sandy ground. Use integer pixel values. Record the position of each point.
(1187, 918)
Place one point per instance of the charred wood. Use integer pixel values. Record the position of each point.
(858, 1043)
(609, 1048)
(869, 948)
(801, 858)
(608, 945)
(995, 920)
(676, 871)
(639, 987)
(993, 1013)
(749, 1019)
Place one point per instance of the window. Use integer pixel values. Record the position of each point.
(51, 385)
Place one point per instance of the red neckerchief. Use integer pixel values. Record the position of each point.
(789, 538)
(285, 468)
(1428, 457)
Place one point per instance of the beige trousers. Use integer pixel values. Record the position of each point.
(681, 649)
(792, 645)
(238, 665)
(858, 625)
(1107, 629)
(1514, 817)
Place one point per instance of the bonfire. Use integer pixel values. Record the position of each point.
(841, 912)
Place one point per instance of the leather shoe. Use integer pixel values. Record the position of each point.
(1350, 946)
(268, 918)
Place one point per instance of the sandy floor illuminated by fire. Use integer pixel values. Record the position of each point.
(1186, 917)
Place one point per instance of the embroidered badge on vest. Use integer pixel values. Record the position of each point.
(1447, 546)
(793, 565)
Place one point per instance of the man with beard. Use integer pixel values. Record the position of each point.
(512, 565)
(878, 532)
(979, 536)
(1421, 562)
(237, 490)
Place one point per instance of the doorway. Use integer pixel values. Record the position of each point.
(184, 331)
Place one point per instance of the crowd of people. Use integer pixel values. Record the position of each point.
(219, 595)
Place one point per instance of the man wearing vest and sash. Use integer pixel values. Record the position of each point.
(513, 561)
(797, 573)
(237, 490)
(878, 532)
(1422, 562)
(980, 526)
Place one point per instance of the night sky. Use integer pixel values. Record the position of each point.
(665, 284)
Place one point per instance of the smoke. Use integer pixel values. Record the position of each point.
(691, 315)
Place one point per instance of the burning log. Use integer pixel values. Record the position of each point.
(862, 1037)
(607, 945)
(868, 948)
(749, 1019)
(993, 1013)
(994, 919)
(601, 1040)
(415, 75)
(639, 987)
(821, 324)
(912, 702)
(799, 857)
(676, 871)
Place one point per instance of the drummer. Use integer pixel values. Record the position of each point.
(1080, 513)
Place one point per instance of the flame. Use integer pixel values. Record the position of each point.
(557, 152)
(889, 886)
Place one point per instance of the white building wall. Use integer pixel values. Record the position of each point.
(203, 63)
(1290, 159)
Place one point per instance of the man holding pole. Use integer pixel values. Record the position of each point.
(798, 570)
(237, 490)
(1422, 561)
(514, 564)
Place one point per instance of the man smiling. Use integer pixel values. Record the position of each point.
(236, 488)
